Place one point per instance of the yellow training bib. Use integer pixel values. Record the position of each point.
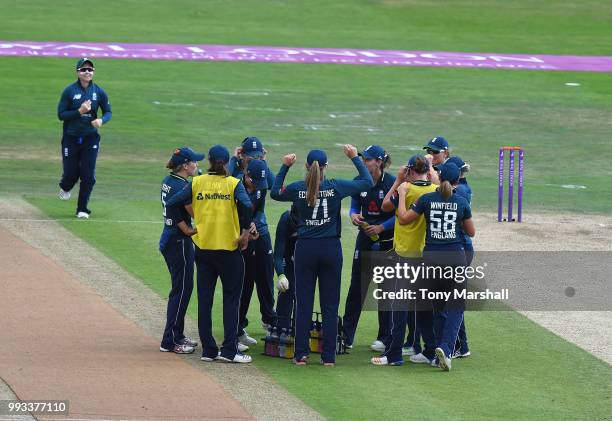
(409, 239)
(215, 212)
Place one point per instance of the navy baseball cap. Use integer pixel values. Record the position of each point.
(317, 155)
(437, 144)
(218, 153)
(413, 160)
(185, 154)
(373, 152)
(251, 146)
(460, 163)
(257, 171)
(449, 172)
(82, 61)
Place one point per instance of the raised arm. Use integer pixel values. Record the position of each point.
(433, 174)
(270, 177)
(278, 191)
(234, 163)
(388, 204)
(362, 182)
(405, 216)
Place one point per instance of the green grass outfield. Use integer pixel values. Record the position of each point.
(519, 370)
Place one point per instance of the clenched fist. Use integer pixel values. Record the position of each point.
(289, 160)
(85, 107)
(350, 151)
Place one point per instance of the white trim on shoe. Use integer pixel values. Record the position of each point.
(179, 349)
(239, 358)
(188, 341)
(63, 194)
(458, 354)
(247, 340)
(378, 346)
(210, 359)
(443, 360)
(419, 359)
(408, 351)
(384, 360)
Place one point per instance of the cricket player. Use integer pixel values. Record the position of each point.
(78, 109)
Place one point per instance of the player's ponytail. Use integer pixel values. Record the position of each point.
(218, 168)
(385, 162)
(174, 167)
(421, 165)
(446, 190)
(171, 165)
(313, 183)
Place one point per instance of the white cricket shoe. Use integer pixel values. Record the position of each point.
(377, 346)
(242, 347)
(459, 354)
(178, 349)
(82, 215)
(385, 361)
(445, 362)
(238, 358)
(188, 341)
(408, 351)
(245, 339)
(210, 359)
(419, 359)
(64, 195)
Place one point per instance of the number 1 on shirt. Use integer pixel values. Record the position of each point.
(316, 208)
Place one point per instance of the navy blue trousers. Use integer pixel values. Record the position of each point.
(259, 272)
(448, 316)
(354, 298)
(285, 300)
(462, 341)
(79, 155)
(425, 328)
(229, 266)
(317, 258)
(179, 256)
(413, 338)
(422, 326)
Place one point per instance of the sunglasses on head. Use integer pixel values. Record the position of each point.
(86, 70)
(432, 152)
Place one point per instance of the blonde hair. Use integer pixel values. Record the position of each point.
(446, 190)
(313, 183)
